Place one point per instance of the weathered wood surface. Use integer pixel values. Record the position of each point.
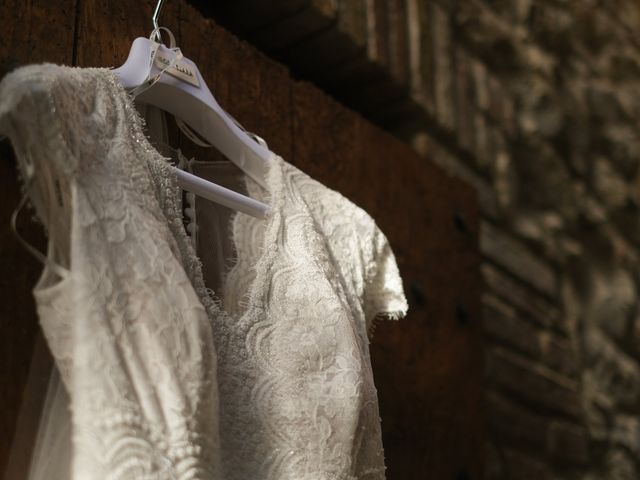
(428, 366)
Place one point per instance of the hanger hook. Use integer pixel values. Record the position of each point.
(154, 19)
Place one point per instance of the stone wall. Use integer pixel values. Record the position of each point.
(543, 95)
(536, 104)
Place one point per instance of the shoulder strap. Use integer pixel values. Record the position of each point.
(44, 259)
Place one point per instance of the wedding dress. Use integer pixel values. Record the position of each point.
(268, 377)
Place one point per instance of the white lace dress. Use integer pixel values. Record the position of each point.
(269, 378)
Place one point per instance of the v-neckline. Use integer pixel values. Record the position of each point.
(273, 197)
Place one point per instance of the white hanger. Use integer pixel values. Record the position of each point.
(183, 92)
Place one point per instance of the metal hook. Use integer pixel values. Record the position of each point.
(154, 19)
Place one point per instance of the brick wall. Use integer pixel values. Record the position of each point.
(535, 103)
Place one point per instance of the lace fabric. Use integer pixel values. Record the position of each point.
(269, 378)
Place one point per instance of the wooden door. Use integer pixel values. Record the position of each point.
(428, 367)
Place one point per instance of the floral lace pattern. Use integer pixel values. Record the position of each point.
(271, 379)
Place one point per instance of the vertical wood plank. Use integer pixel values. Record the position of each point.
(106, 28)
(32, 32)
(36, 31)
(326, 136)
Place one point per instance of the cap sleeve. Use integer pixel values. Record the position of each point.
(383, 295)
(359, 253)
(21, 99)
(48, 121)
